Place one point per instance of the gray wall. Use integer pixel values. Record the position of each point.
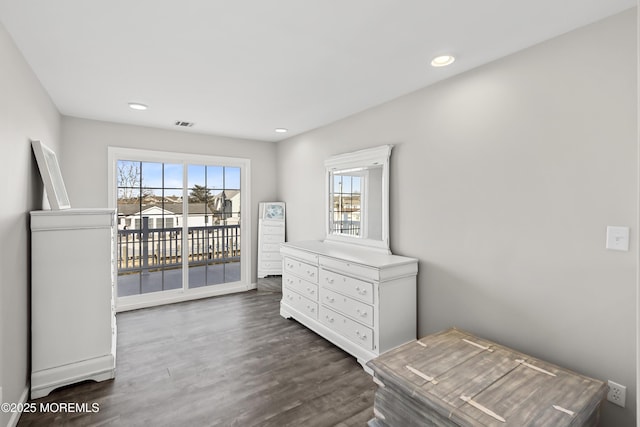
(26, 112)
(503, 180)
(85, 160)
(508, 175)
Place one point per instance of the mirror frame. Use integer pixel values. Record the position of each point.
(51, 176)
(377, 156)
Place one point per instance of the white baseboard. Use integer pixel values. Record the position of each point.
(135, 302)
(15, 417)
(99, 368)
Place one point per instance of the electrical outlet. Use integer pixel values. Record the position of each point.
(617, 393)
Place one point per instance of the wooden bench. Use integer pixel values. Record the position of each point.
(453, 378)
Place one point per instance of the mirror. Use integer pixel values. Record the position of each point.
(358, 198)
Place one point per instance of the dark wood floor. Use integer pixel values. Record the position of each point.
(224, 361)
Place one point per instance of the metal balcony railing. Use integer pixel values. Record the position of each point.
(351, 228)
(148, 249)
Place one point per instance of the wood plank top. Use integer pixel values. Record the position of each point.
(471, 381)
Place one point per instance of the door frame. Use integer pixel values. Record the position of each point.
(134, 302)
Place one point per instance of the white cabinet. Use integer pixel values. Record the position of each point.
(270, 235)
(73, 325)
(362, 300)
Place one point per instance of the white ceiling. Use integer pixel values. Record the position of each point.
(243, 68)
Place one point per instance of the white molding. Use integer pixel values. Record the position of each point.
(24, 397)
(71, 219)
(377, 156)
(186, 294)
(369, 156)
(138, 154)
(135, 302)
(98, 369)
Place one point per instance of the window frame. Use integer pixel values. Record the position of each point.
(364, 183)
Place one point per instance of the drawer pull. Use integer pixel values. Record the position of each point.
(311, 291)
(361, 336)
(330, 299)
(329, 280)
(361, 291)
(330, 319)
(289, 265)
(289, 281)
(311, 309)
(310, 273)
(361, 313)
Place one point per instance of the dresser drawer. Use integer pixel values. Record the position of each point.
(301, 269)
(348, 328)
(300, 303)
(271, 265)
(308, 289)
(271, 256)
(350, 268)
(346, 305)
(272, 238)
(271, 247)
(346, 285)
(273, 229)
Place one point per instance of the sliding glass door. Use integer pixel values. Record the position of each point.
(181, 231)
(214, 225)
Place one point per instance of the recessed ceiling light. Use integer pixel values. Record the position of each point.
(137, 106)
(282, 130)
(442, 60)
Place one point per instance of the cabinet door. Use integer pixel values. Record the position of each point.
(72, 310)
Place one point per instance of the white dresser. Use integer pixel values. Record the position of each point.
(73, 324)
(270, 235)
(361, 300)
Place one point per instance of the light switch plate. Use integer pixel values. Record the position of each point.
(617, 238)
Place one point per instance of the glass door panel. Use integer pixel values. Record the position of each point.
(179, 226)
(150, 222)
(214, 225)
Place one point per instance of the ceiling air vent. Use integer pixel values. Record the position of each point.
(184, 124)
